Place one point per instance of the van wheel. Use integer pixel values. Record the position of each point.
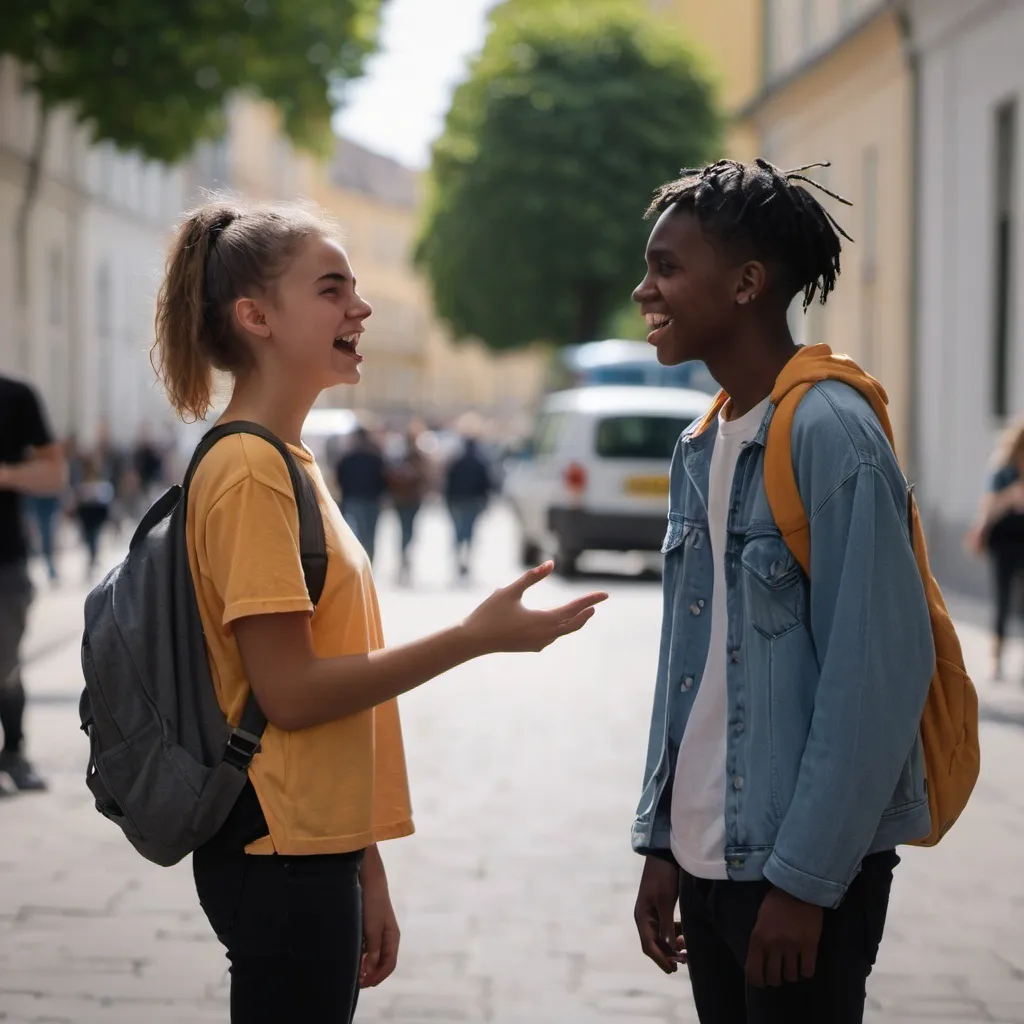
(530, 554)
(566, 560)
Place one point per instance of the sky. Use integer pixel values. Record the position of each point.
(398, 107)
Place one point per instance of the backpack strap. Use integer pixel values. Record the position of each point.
(244, 740)
(780, 483)
(780, 479)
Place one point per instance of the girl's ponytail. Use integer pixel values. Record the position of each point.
(184, 350)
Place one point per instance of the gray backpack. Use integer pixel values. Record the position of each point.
(164, 764)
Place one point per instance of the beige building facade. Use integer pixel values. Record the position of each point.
(728, 37)
(837, 87)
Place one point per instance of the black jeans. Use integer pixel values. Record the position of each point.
(718, 918)
(293, 928)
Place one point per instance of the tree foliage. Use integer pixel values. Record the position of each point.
(569, 119)
(153, 75)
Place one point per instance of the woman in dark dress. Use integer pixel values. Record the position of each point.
(999, 531)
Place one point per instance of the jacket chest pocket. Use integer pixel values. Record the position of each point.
(773, 585)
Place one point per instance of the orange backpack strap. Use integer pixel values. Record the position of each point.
(780, 479)
(712, 414)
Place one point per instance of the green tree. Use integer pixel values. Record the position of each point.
(153, 75)
(568, 120)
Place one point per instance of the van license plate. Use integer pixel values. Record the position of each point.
(647, 486)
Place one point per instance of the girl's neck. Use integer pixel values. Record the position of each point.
(281, 410)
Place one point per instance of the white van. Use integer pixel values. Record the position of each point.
(595, 476)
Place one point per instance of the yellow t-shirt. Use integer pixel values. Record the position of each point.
(339, 786)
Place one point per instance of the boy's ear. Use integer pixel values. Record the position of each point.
(751, 282)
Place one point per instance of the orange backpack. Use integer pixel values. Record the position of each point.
(949, 725)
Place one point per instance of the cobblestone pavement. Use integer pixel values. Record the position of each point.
(516, 894)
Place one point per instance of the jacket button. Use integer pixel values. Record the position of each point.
(688, 682)
(735, 659)
(775, 569)
(695, 608)
(737, 782)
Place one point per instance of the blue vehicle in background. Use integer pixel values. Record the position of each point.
(618, 362)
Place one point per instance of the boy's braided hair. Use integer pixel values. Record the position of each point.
(758, 209)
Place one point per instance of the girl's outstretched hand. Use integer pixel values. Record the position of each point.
(503, 623)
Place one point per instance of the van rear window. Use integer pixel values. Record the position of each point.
(639, 437)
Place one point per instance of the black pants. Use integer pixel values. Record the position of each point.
(293, 930)
(15, 599)
(1007, 568)
(718, 918)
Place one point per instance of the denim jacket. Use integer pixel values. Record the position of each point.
(827, 677)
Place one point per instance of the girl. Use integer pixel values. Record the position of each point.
(999, 530)
(294, 885)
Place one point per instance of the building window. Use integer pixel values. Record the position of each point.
(769, 17)
(869, 254)
(806, 26)
(1005, 155)
(56, 287)
(869, 193)
(104, 302)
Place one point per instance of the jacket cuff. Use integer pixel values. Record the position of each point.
(649, 843)
(809, 888)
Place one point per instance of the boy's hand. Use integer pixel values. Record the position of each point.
(784, 943)
(655, 915)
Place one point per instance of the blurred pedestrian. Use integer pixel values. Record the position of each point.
(93, 498)
(268, 295)
(148, 463)
(999, 531)
(407, 486)
(32, 464)
(785, 760)
(469, 483)
(45, 511)
(362, 481)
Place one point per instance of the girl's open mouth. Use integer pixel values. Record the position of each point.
(349, 345)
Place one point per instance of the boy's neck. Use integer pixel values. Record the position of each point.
(748, 366)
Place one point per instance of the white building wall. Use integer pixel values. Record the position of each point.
(969, 54)
(95, 249)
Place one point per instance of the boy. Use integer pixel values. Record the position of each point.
(785, 762)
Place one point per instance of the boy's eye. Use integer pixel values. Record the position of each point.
(329, 291)
(665, 268)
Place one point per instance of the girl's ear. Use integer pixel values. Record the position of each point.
(251, 318)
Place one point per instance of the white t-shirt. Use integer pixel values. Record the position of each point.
(698, 792)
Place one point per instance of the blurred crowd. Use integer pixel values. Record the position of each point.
(368, 469)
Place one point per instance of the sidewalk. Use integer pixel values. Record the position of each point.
(515, 897)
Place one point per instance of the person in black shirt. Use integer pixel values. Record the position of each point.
(362, 480)
(30, 464)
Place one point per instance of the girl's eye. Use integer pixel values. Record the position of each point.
(329, 291)
(665, 268)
